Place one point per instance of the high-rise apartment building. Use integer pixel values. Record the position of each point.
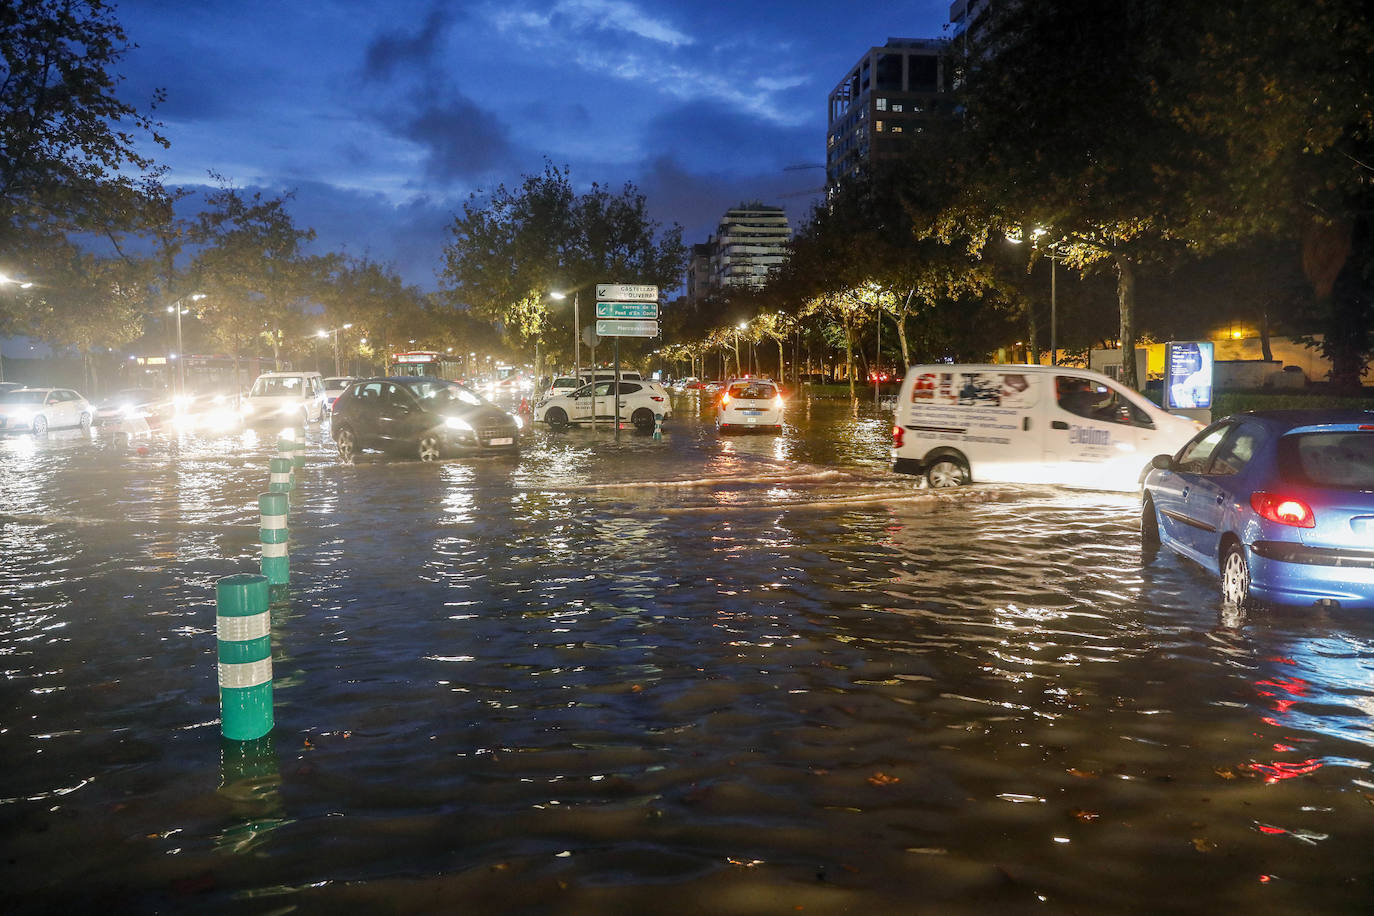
(888, 97)
(750, 241)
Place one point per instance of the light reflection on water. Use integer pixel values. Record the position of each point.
(757, 672)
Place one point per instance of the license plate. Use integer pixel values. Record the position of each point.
(751, 419)
(506, 440)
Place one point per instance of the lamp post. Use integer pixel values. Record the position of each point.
(335, 332)
(1049, 249)
(179, 356)
(22, 284)
(739, 370)
(577, 333)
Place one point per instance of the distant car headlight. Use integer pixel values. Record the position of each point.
(20, 418)
(458, 423)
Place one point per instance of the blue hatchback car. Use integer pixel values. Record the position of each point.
(1278, 504)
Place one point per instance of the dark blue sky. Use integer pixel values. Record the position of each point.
(384, 117)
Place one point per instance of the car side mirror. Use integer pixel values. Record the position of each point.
(1162, 462)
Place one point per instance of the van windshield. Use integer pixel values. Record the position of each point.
(292, 386)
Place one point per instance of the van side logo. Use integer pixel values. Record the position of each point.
(1083, 435)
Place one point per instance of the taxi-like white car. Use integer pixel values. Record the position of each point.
(639, 403)
(749, 403)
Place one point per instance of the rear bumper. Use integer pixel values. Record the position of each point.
(1288, 573)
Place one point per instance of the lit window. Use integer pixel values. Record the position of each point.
(896, 128)
(878, 126)
(896, 107)
(881, 105)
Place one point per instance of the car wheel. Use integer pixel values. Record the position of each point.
(1149, 524)
(946, 472)
(643, 419)
(85, 424)
(557, 418)
(347, 443)
(1235, 576)
(429, 449)
(40, 425)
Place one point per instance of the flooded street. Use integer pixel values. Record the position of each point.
(740, 675)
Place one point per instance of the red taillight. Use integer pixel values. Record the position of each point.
(897, 437)
(1283, 509)
(655, 397)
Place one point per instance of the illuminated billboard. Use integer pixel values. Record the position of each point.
(1188, 375)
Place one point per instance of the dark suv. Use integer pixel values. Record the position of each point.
(424, 417)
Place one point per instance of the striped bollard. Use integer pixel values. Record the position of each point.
(658, 427)
(280, 479)
(286, 448)
(243, 624)
(298, 449)
(272, 534)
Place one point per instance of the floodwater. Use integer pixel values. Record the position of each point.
(745, 675)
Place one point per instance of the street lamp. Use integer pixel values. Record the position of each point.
(577, 333)
(335, 332)
(179, 356)
(22, 284)
(1054, 343)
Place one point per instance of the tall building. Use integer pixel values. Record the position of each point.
(750, 241)
(888, 97)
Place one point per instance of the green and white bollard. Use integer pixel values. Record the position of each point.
(280, 479)
(244, 625)
(658, 427)
(272, 534)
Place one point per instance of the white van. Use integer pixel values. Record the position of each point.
(1028, 424)
(285, 397)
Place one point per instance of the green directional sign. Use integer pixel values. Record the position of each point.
(632, 327)
(627, 310)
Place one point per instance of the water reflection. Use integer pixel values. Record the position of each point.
(735, 674)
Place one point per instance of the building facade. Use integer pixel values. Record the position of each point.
(891, 95)
(751, 240)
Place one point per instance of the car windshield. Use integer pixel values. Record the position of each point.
(437, 393)
(1329, 459)
(336, 383)
(565, 382)
(23, 397)
(277, 387)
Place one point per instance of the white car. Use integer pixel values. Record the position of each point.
(749, 403)
(284, 397)
(333, 387)
(638, 403)
(37, 410)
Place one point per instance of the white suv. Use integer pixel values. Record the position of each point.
(285, 397)
(639, 402)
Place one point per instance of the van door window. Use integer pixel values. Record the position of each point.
(1095, 401)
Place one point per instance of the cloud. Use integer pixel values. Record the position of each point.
(395, 50)
(711, 135)
(460, 139)
(581, 17)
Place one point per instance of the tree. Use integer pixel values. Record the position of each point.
(508, 253)
(1132, 132)
(250, 268)
(68, 154)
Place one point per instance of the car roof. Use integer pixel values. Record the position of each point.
(1294, 418)
(281, 373)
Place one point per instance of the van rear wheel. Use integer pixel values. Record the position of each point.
(946, 472)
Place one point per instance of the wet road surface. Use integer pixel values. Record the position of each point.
(754, 674)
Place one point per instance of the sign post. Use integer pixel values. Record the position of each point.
(623, 310)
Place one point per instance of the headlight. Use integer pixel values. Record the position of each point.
(519, 420)
(21, 418)
(457, 423)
